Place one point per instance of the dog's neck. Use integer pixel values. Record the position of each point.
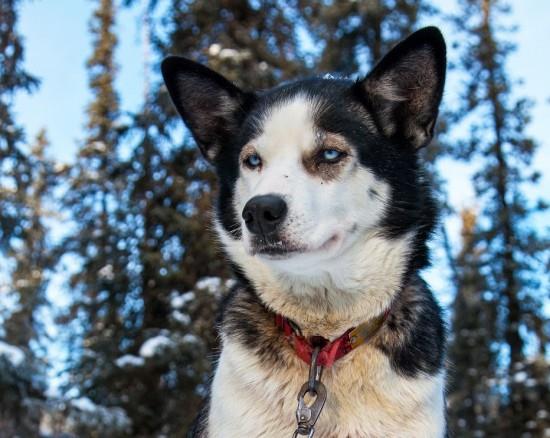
(356, 287)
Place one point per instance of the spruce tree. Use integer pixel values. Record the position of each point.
(99, 237)
(32, 258)
(510, 249)
(25, 182)
(14, 166)
(473, 359)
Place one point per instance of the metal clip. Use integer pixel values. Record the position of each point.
(307, 415)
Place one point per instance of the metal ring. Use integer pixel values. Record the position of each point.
(314, 370)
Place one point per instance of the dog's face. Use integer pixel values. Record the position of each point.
(302, 194)
(310, 168)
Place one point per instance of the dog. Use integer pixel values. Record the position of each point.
(325, 213)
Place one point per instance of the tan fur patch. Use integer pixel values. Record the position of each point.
(246, 152)
(316, 166)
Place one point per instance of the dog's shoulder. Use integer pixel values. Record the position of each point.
(414, 334)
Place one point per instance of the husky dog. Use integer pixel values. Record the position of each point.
(325, 213)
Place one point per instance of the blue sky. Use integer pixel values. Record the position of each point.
(58, 43)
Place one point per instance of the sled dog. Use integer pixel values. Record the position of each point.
(324, 211)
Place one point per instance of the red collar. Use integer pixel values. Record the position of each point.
(330, 351)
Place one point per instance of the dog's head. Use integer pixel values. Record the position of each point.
(308, 169)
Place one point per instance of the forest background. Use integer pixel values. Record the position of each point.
(109, 276)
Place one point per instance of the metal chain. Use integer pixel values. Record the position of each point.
(307, 415)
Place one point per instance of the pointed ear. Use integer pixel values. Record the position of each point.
(404, 90)
(210, 105)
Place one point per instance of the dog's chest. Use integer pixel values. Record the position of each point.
(365, 398)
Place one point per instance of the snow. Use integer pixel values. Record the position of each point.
(60, 167)
(151, 347)
(214, 49)
(217, 50)
(129, 360)
(91, 175)
(19, 284)
(178, 301)
(211, 284)
(229, 54)
(190, 339)
(14, 355)
(101, 419)
(84, 404)
(520, 376)
(106, 272)
(182, 318)
(98, 146)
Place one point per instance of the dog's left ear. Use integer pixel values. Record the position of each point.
(404, 90)
(210, 105)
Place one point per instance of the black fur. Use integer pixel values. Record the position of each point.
(414, 338)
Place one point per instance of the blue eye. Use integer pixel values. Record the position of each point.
(331, 154)
(253, 161)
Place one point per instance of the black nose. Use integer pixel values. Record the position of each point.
(263, 214)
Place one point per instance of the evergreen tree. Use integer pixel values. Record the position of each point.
(25, 182)
(511, 249)
(22, 380)
(101, 319)
(14, 166)
(473, 359)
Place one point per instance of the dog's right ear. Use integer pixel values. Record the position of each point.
(210, 105)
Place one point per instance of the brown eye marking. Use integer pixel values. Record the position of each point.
(250, 158)
(329, 158)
